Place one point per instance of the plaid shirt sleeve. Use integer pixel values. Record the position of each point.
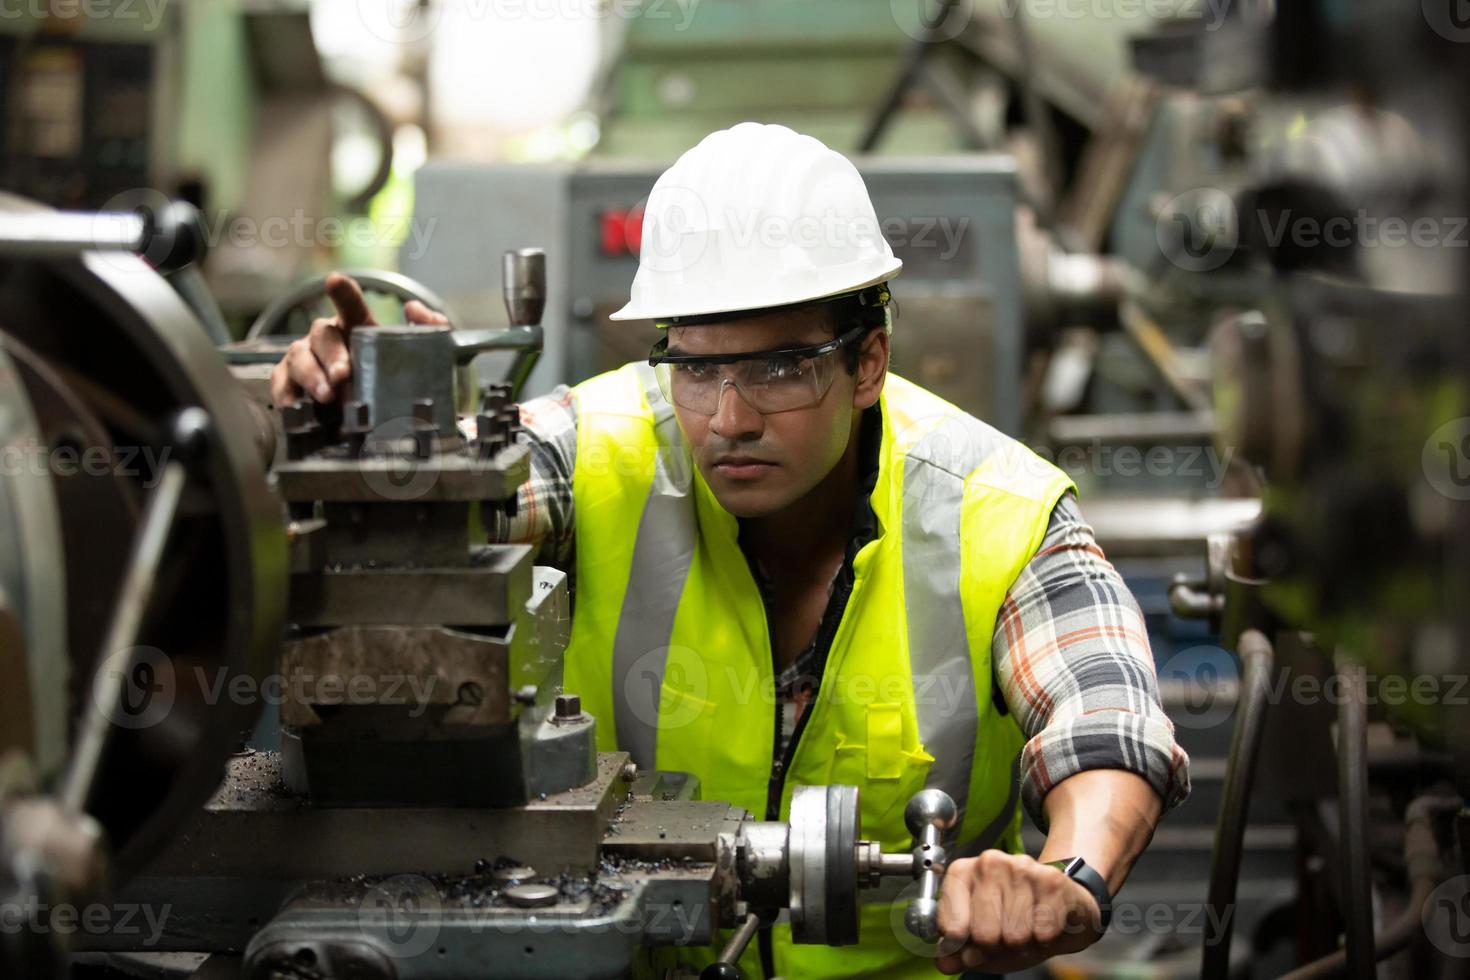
(1072, 658)
(544, 502)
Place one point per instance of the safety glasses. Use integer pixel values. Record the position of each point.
(770, 381)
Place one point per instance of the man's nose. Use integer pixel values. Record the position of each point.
(734, 417)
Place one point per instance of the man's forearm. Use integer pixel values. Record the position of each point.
(1104, 816)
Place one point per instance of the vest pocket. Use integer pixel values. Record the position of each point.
(894, 773)
(885, 741)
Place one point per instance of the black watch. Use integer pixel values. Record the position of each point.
(1078, 871)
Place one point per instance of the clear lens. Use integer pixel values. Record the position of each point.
(769, 385)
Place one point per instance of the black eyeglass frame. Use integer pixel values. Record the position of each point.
(659, 354)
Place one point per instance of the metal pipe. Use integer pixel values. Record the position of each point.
(1352, 797)
(735, 948)
(1256, 658)
(45, 234)
(122, 635)
(1422, 858)
(727, 966)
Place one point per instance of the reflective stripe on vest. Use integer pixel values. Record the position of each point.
(662, 552)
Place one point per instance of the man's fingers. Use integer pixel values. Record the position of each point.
(987, 907)
(284, 391)
(954, 908)
(346, 296)
(307, 372)
(417, 312)
(330, 347)
(1020, 912)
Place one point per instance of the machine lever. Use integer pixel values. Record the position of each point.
(724, 968)
(929, 816)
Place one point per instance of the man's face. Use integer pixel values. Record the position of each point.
(758, 464)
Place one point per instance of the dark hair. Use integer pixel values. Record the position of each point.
(858, 310)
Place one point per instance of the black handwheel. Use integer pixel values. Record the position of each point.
(303, 302)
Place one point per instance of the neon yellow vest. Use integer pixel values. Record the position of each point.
(670, 649)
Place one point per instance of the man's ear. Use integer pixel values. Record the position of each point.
(872, 369)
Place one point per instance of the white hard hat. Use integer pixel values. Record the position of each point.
(755, 216)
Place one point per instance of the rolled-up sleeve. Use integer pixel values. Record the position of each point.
(1072, 659)
(544, 514)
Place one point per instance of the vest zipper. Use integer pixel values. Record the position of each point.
(832, 618)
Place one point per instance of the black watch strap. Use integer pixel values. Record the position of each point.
(1078, 870)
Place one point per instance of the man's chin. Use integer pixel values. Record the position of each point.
(747, 498)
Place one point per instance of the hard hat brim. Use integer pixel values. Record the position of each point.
(631, 312)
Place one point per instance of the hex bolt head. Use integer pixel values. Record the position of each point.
(568, 706)
(355, 416)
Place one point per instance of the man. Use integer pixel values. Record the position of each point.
(854, 582)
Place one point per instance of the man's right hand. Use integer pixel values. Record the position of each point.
(319, 364)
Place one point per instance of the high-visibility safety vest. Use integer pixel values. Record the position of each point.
(670, 648)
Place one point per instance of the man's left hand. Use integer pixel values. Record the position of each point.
(1001, 912)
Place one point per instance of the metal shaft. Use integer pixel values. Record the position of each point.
(50, 233)
(1352, 801)
(127, 618)
(735, 948)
